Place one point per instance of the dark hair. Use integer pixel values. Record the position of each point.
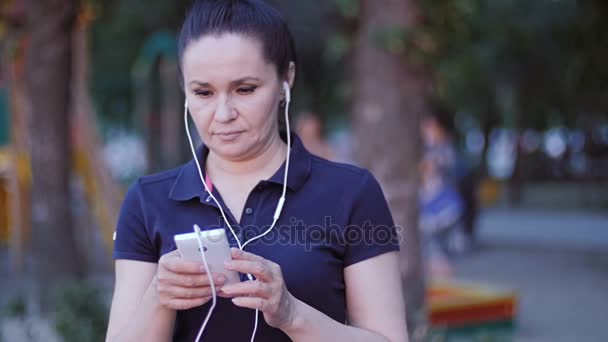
(443, 116)
(254, 18)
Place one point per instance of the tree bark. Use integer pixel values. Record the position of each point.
(171, 129)
(53, 250)
(20, 118)
(102, 191)
(390, 94)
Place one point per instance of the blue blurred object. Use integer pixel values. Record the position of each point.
(441, 212)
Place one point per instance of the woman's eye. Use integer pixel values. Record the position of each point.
(246, 90)
(203, 93)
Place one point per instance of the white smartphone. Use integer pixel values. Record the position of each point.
(216, 249)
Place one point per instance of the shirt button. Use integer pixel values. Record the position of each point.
(248, 211)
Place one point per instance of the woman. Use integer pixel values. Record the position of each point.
(332, 255)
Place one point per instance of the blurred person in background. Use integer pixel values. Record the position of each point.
(310, 129)
(441, 211)
(439, 137)
(446, 207)
(438, 131)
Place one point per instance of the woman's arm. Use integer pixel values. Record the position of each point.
(136, 312)
(376, 309)
(147, 296)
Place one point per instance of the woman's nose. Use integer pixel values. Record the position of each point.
(224, 111)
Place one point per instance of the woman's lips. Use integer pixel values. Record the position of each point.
(228, 136)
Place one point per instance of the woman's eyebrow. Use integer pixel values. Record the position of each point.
(245, 79)
(199, 83)
(237, 81)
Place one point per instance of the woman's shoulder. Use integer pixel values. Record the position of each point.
(342, 168)
(161, 176)
(158, 180)
(340, 174)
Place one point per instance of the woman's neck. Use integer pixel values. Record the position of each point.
(261, 165)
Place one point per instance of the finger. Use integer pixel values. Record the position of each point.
(220, 293)
(178, 265)
(185, 304)
(250, 302)
(168, 257)
(188, 280)
(177, 292)
(247, 288)
(260, 269)
(238, 254)
(244, 255)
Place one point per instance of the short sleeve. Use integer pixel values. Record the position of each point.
(132, 240)
(371, 231)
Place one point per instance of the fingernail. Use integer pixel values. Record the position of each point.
(221, 279)
(227, 264)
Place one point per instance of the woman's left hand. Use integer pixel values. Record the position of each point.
(266, 293)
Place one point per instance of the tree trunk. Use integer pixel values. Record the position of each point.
(20, 118)
(103, 193)
(389, 96)
(171, 129)
(53, 251)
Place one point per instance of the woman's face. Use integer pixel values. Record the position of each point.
(233, 94)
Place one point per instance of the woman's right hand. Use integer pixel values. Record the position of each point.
(183, 285)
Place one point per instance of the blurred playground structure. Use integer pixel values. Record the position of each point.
(461, 310)
(102, 192)
(154, 78)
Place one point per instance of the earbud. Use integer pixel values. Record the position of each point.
(186, 103)
(287, 91)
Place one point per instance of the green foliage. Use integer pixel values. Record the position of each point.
(81, 314)
(118, 34)
(544, 55)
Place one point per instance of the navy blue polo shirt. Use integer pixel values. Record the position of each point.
(335, 215)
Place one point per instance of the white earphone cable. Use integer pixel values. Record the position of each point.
(211, 282)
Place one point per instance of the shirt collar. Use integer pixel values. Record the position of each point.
(188, 183)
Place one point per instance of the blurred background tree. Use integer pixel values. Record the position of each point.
(387, 104)
(53, 250)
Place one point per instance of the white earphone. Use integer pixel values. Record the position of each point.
(287, 92)
(275, 217)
